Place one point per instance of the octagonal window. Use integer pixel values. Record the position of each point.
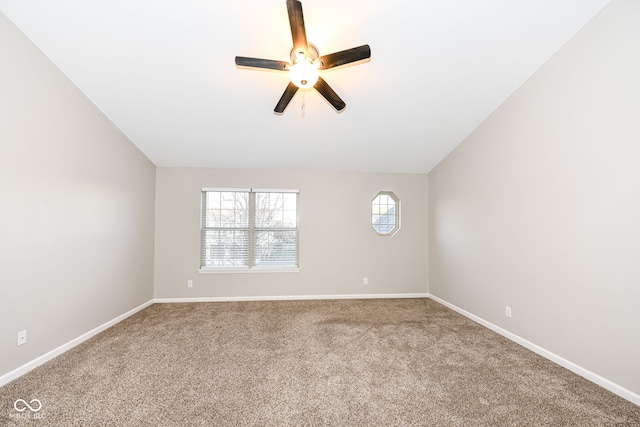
(385, 213)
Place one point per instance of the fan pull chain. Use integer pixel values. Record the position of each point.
(303, 105)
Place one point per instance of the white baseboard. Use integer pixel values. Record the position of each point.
(595, 378)
(290, 297)
(12, 375)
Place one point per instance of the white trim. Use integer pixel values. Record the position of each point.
(18, 372)
(233, 270)
(227, 190)
(275, 190)
(249, 190)
(585, 373)
(288, 298)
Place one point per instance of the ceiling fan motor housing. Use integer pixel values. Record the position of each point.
(312, 53)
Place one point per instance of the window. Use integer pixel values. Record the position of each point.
(385, 213)
(245, 229)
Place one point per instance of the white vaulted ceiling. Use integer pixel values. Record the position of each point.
(163, 72)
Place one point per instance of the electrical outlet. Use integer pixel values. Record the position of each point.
(189, 283)
(22, 337)
(507, 311)
(365, 281)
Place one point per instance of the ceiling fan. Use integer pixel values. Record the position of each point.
(306, 63)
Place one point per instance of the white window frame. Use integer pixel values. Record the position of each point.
(375, 215)
(252, 228)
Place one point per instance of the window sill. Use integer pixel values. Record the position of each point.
(233, 270)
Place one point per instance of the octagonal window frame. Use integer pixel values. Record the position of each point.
(382, 228)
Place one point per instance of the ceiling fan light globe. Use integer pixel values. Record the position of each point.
(304, 74)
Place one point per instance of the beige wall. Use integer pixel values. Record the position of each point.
(76, 209)
(338, 247)
(539, 208)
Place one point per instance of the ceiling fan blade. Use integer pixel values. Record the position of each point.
(286, 97)
(329, 94)
(296, 21)
(269, 64)
(345, 57)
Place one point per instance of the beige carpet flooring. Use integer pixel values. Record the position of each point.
(307, 363)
